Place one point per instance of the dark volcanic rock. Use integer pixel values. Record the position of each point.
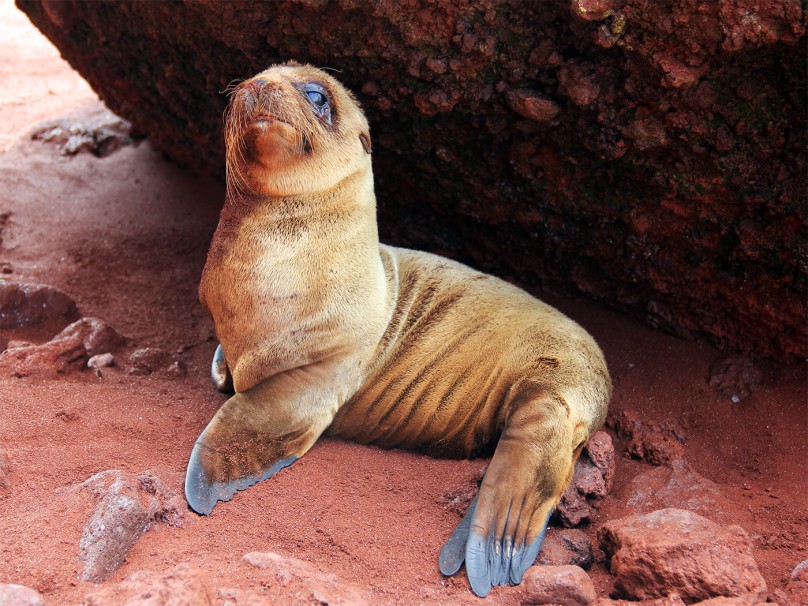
(648, 441)
(734, 376)
(591, 482)
(566, 546)
(650, 154)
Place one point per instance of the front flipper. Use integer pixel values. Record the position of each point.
(503, 530)
(258, 432)
(220, 373)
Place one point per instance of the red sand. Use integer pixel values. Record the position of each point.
(127, 235)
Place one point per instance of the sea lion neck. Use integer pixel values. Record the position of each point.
(353, 192)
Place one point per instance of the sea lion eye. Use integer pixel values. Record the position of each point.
(317, 98)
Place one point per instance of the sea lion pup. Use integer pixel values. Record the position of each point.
(324, 329)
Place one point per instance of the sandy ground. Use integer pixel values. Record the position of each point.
(126, 236)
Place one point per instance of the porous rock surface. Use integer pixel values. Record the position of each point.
(71, 349)
(676, 551)
(24, 304)
(564, 585)
(563, 546)
(128, 505)
(650, 154)
(591, 481)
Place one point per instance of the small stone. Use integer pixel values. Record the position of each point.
(647, 133)
(578, 81)
(566, 585)
(19, 595)
(57, 356)
(69, 350)
(30, 304)
(175, 369)
(679, 75)
(101, 361)
(734, 376)
(532, 105)
(180, 586)
(97, 336)
(99, 134)
(567, 546)
(676, 551)
(147, 360)
(118, 522)
(592, 10)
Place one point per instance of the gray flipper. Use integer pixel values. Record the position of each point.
(202, 494)
(220, 374)
(484, 566)
(258, 432)
(453, 552)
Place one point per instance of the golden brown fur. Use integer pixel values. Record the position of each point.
(324, 329)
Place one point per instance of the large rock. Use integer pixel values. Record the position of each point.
(676, 551)
(648, 153)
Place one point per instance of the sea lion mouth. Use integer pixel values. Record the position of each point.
(263, 118)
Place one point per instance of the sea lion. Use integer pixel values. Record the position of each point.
(324, 329)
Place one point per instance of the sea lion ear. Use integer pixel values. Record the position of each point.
(365, 139)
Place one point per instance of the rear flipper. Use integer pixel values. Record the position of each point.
(503, 529)
(258, 432)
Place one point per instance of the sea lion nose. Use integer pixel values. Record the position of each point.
(255, 86)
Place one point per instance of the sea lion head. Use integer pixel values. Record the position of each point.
(293, 129)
